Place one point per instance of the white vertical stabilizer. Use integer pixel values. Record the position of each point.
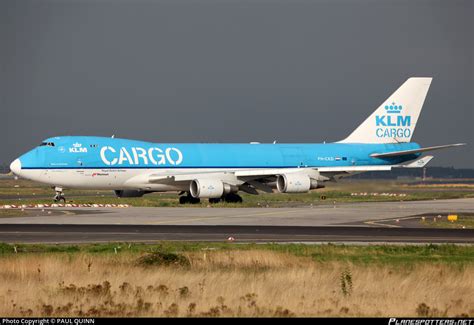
(395, 120)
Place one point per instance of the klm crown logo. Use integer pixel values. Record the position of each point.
(77, 148)
(393, 109)
(393, 124)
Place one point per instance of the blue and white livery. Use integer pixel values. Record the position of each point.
(220, 171)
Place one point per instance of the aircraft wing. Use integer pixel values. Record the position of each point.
(238, 174)
(248, 176)
(178, 176)
(256, 173)
(412, 151)
(258, 178)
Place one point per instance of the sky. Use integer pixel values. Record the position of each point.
(231, 71)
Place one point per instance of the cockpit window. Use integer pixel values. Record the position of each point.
(48, 144)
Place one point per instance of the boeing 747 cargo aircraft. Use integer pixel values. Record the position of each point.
(220, 171)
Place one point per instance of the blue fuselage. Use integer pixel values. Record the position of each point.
(83, 152)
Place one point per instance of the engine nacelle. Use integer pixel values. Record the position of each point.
(129, 193)
(210, 188)
(296, 183)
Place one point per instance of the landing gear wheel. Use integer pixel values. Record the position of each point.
(214, 200)
(232, 198)
(184, 199)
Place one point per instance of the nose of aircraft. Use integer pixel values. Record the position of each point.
(15, 166)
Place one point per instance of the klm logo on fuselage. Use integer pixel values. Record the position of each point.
(393, 125)
(77, 148)
(140, 156)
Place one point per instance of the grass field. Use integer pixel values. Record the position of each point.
(464, 222)
(26, 192)
(190, 279)
(224, 279)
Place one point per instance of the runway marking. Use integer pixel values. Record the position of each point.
(220, 217)
(67, 212)
(378, 222)
(374, 223)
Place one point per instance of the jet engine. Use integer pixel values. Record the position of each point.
(129, 193)
(210, 188)
(296, 183)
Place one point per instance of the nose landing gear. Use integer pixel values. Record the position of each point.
(59, 195)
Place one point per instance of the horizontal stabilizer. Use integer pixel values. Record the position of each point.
(419, 163)
(412, 151)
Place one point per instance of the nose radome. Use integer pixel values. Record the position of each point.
(15, 166)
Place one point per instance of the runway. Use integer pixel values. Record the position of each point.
(140, 233)
(350, 222)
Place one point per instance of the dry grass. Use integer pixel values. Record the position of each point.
(443, 185)
(231, 283)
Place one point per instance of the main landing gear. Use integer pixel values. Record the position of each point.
(59, 195)
(229, 198)
(183, 199)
